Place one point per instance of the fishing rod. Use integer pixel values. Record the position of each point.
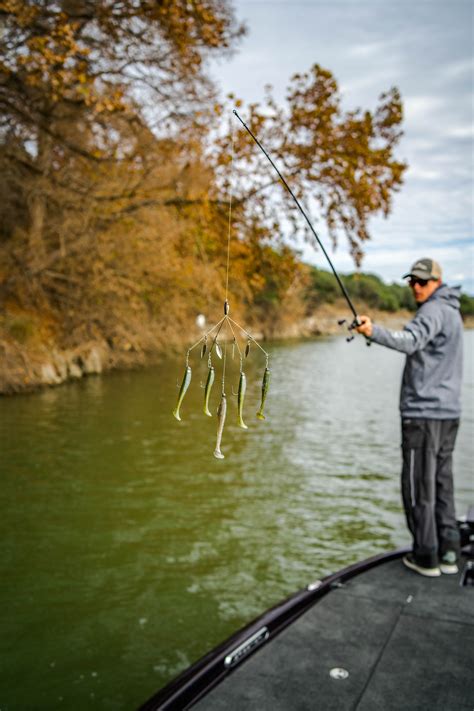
(356, 322)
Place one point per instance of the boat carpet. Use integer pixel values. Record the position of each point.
(406, 641)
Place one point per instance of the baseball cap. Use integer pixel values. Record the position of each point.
(425, 269)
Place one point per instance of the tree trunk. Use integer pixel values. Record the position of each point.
(37, 204)
(36, 244)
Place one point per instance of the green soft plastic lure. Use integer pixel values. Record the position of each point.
(182, 391)
(265, 383)
(240, 400)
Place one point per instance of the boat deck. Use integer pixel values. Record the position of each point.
(407, 642)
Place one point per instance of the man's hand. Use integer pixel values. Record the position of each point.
(365, 326)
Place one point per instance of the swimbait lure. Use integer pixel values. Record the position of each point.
(265, 383)
(182, 391)
(240, 400)
(221, 413)
(209, 383)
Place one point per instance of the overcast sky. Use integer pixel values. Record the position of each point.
(425, 48)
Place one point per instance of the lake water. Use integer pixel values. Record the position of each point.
(128, 550)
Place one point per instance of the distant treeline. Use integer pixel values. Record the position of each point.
(369, 289)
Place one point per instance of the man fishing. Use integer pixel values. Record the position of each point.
(430, 404)
(430, 407)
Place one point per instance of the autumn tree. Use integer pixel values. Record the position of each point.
(116, 170)
(79, 78)
(340, 164)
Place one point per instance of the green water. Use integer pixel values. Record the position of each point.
(128, 550)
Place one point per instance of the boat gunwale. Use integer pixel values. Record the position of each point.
(198, 679)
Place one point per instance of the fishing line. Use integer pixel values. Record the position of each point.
(230, 207)
(216, 329)
(341, 285)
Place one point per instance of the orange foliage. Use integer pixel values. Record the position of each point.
(115, 211)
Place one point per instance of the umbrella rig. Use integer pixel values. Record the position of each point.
(210, 345)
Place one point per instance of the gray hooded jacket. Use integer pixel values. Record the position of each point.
(433, 342)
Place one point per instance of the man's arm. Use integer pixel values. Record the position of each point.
(414, 336)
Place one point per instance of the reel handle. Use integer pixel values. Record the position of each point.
(356, 322)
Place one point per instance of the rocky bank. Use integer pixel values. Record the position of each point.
(24, 367)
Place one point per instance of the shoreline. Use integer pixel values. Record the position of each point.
(27, 369)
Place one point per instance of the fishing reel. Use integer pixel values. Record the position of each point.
(351, 328)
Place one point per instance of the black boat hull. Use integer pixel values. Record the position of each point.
(380, 587)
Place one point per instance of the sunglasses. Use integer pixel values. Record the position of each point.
(421, 282)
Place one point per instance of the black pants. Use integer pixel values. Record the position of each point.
(427, 487)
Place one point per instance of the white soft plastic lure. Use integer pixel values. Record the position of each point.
(221, 413)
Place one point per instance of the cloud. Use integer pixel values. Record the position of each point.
(425, 49)
(370, 49)
(461, 68)
(421, 173)
(422, 107)
(466, 131)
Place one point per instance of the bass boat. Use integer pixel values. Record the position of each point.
(372, 636)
